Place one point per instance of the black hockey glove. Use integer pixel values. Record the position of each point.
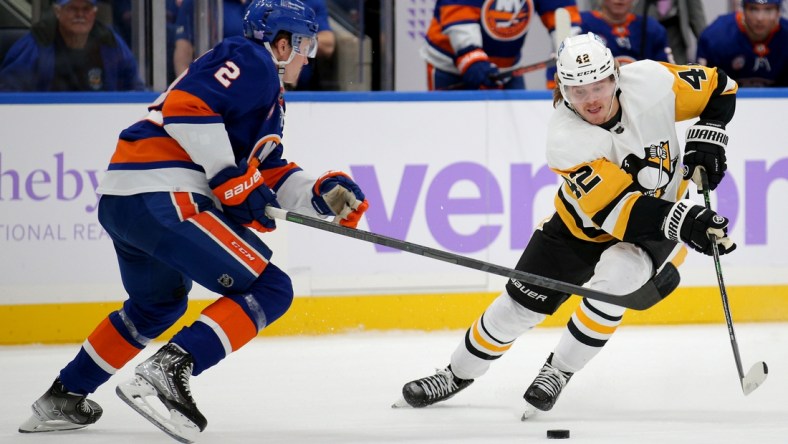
(689, 222)
(706, 142)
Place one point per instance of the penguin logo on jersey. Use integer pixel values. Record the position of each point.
(654, 171)
(506, 20)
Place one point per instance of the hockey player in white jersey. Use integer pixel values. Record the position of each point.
(621, 213)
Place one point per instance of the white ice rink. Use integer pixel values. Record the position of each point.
(649, 385)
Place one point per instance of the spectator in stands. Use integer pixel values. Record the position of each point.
(71, 52)
(623, 32)
(750, 45)
(469, 40)
(684, 20)
(233, 12)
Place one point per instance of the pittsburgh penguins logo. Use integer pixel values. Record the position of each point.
(654, 171)
(506, 20)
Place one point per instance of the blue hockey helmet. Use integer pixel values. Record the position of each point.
(761, 2)
(265, 19)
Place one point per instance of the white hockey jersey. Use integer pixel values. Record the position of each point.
(612, 177)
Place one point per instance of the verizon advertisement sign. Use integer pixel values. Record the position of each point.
(463, 176)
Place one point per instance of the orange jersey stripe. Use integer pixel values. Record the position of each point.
(272, 176)
(245, 253)
(180, 103)
(111, 346)
(185, 205)
(234, 322)
(153, 149)
(548, 18)
(459, 13)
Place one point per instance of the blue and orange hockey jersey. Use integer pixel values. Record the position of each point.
(625, 40)
(498, 27)
(724, 44)
(227, 106)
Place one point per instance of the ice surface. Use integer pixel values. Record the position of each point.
(673, 384)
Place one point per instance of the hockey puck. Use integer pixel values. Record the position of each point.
(557, 434)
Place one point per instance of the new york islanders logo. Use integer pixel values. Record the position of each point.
(654, 171)
(506, 20)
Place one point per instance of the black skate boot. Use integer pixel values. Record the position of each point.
(58, 409)
(438, 387)
(165, 375)
(543, 392)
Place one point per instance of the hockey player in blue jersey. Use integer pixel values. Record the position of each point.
(182, 190)
(750, 45)
(469, 40)
(622, 31)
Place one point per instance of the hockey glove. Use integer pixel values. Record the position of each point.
(476, 70)
(692, 223)
(335, 194)
(244, 195)
(706, 142)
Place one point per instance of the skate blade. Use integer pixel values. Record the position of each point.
(530, 412)
(400, 403)
(35, 425)
(135, 392)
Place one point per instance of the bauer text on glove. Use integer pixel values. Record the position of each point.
(706, 142)
(689, 222)
(335, 194)
(244, 195)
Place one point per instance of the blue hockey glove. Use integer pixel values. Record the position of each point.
(244, 195)
(476, 69)
(335, 194)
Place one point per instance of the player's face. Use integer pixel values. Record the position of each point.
(76, 17)
(293, 69)
(594, 102)
(617, 9)
(761, 19)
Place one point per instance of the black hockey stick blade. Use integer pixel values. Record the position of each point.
(645, 297)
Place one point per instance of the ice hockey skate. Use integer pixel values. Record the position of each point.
(58, 409)
(165, 375)
(544, 390)
(427, 391)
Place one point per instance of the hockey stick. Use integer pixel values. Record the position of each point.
(646, 296)
(514, 71)
(758, 372)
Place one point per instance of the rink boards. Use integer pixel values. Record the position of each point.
(462, 172)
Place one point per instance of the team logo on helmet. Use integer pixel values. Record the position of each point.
(718, 219)
(506, 20)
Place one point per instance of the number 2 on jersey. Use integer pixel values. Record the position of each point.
(582, 181)
(227, 73)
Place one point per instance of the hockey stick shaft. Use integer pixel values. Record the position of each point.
(646, 296)
(721, 282)
(758, 372)
(513, 71)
